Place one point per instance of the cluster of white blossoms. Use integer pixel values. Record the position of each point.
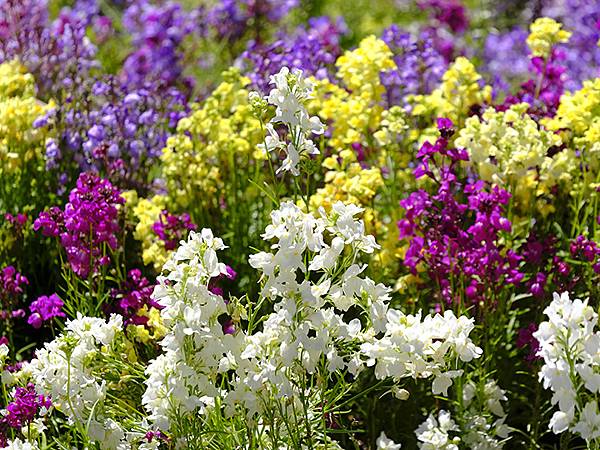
(481, 425)
(420, 348)
(291, 91)
(484, 416)
(570, 348)
(182, 381)
(435, 433)
(64, 371)
(18, 444)
(325, 320)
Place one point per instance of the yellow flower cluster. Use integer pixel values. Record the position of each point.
(15, 81)
(510, 149)
(146, 213)
(544, 33)
(392, 124)
(460, 90)
(348, 182)
(359, 69)
(154, 329)
(220, 135)
(19, 141)
(578, 116)
(352, 113)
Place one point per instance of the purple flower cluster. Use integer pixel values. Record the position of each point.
(419, 65)
(552, 273)
(447, 21)
(526, 340)
(44, 309)
(544, 90)
(121, 131)
(26, 405)
(582, 54)
(454, 234)
(131, 296)
(88, 226)
(171, 229)
(17, 222)
(450, 13)
(12, 285)
(505, 58)
(586, 250)
(59, 54)
(157, 31)
(232, 19)
(313, 49)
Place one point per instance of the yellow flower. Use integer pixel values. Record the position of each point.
(20, 142)
(354, 110)
(544, 33)
(147, 212)
(220, 135)
(509, 148)
(460, 90)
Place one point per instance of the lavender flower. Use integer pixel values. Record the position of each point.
(314, 50)
(58, 54)
(232, 19)
(420, 65)
(505, 58)
(157, 32)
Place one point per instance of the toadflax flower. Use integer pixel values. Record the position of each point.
(568, 345)
(288, 96)
(44, 309)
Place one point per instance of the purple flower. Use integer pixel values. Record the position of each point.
(450, 13)
(88, 225)
(131, 296)
(45, 308)
(25, 407)
(526, 340)
(232, 19)
(12, 285)
(157, 32)
(455, 233)
(419, 65)
(171, 228)
(313, 49)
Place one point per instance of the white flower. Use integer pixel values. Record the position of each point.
(434, 434)
(571, 369)
(561, 421)
(384, 443)
(588, 426)
(18, 444)
(288, 96)
(64, 370)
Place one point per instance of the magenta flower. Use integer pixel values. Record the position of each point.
(454, 233)
(131, 296)
(171, 228)
(44, 309)
(25, 407)
(88, 225)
